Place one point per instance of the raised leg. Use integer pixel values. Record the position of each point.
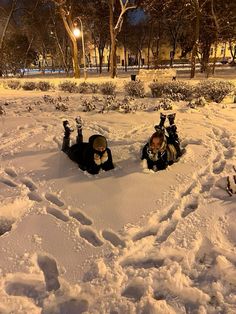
(79, 122)
(66, 138)
(162, 122)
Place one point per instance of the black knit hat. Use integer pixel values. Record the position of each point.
(99, 141)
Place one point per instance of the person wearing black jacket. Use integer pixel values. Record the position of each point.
(92, 156)
(163, 147)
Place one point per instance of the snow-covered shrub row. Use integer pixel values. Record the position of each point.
(214, 90)
(134, 89)
(174, 90)
(108, 88)
(29, 85)
(44, 86)
(110, 103)
(68, 86)
(88, 87)
(12, 84)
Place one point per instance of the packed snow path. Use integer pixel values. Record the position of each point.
(122, 241)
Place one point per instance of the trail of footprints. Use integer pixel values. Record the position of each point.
(56, 210)
(190, 198)
(37, 290)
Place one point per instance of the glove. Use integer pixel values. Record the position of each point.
(97, 159)
(144, 165)
(104, 157)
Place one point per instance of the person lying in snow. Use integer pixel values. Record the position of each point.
(163, 147)
(92, 156)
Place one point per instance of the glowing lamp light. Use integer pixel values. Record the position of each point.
(77, 32)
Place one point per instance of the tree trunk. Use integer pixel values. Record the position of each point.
(113, 71)
(196, 38)
(100, 51)
(14, 2)
(214, 60)
(26, 55)
(68, 26)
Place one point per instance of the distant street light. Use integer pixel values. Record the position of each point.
(80, 32)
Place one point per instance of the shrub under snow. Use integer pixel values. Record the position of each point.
(68, 86)
(29, 86)
(108, 88)
(174, 90)
(44, 86)
(214, 90)
(12, 84)
(134, 89)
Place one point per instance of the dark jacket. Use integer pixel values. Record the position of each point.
(85, 156)
(169, 153)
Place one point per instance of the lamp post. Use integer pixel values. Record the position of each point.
(77, 32)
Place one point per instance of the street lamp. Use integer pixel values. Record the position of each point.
(80, 32)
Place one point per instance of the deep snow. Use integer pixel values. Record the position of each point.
(122, 241)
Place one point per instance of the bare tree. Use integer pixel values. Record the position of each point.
(115, 28)
(9, 16)
(65, 11)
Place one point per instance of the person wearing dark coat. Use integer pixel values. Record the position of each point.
(163, 147)
(92, 156)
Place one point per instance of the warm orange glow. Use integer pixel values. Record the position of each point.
(77, 32)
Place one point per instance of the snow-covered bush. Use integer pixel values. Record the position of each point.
(108, 88)
(61, 107)
(29, 86)
(134, 89)
(94, 87)
(88, 106)
(156, 88)
(83, 87)
(44, 86)
(165, 104)
(175, 90)
(12, 84)
(68, 86)
(198, 102)
(214, 90)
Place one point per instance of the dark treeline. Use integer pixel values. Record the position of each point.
(32, 29)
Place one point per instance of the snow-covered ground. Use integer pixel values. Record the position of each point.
(122, 241)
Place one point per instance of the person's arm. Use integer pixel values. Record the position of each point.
(106, 160)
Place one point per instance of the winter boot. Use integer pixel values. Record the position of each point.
(162, 122)
(171, 118)
(67, 128)
(66, 138)
(79, 122)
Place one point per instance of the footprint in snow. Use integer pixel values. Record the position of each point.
(49, 268)
(10, 172)
(113, 238)
(219, 167)
(143, 263)
(189, 208)
(54, 199)
(34, 196)
(71, 306)
(57, 214)
(31, 288)
(5, 225)
(90, 236)
(144, 234)
(134, 290)
(8, 182)
(81, 217)
(29, 184)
